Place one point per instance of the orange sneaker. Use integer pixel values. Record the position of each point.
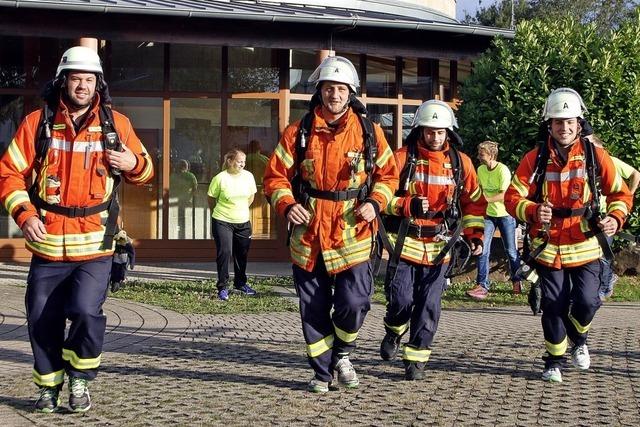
(478, 292)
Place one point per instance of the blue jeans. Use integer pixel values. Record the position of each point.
(507, 227)
(607, 273)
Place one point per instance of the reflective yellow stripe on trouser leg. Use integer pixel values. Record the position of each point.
(78, 362)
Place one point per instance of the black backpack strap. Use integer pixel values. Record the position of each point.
(409, 168)
(42, 144)
(453, 217)
(540, 170)
(593, 175)
(370, 154)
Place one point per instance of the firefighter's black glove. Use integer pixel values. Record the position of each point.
(416, 207)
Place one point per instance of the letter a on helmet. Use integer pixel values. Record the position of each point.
(79, 58)
(435, 114)
(336, 69)
(564, 103)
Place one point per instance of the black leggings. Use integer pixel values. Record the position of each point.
(232, 240)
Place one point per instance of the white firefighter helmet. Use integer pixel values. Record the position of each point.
(336, 69)
(435, 114)
(79, 58)
(563, 103)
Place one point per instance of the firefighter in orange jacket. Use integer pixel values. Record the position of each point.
(68, 219)
(333, 221)
(439, 197)
(555, 196)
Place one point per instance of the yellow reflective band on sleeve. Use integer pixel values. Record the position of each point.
(522, 189)
(345, 336)
(475, 196)
(78, 362)
(16, 156)
(48, 380)
(383, 189)
(521, 209)
(384, 157)
(617, 184)
(319, 347)
(617, 205)
(61, 126)
(414, 355)
(284, 157)
(15, 199)
(398, 330)
(279, 194)
(469, 221)
(556, 349)
(581, 329)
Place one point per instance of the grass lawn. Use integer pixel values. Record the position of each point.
(201, 296)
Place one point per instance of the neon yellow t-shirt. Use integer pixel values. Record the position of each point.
(493, 182)
(624, 170)
(232, 192)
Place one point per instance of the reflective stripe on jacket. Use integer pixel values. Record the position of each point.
(74, 173)
(434, 180)
(566, 187)
(334, 161)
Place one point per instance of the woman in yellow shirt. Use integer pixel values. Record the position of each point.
(231, 192)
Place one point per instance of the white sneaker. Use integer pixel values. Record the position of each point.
(318, 386)
(552, 375)
(346, 374)
(580, 357)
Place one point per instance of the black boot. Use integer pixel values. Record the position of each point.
(389, 346)
(413, 370)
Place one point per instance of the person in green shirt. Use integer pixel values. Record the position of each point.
(494, 180)
(231, 192)
(183, 186)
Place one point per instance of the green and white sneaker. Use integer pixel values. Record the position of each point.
(318, 386)
(346, 374)
(79, 398)
(49, 399)
(552, 375)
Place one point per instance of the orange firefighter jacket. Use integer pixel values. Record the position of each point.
(334, 161)
(74, 173)
(566, 186)
(434, 180)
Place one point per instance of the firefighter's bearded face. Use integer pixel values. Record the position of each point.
(565, 131)
(335, 97)
(433, 138)
(80, 89)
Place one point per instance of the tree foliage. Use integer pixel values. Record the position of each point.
(605, 14)
(504, 96)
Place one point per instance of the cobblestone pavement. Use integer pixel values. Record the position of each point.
(164, 368)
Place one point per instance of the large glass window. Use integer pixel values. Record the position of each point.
(416, 82)
(141, 206)
(253, 127)
(384, 115)
(301, 64)
(137, 66)
(444, 79)
(381, 77)
(408, 112)
(11, 113)
(195, 68)
(195, 159)
(12, 69)
(253, 69)
(297, 109)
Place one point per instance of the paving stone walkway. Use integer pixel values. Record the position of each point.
(163, 368)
